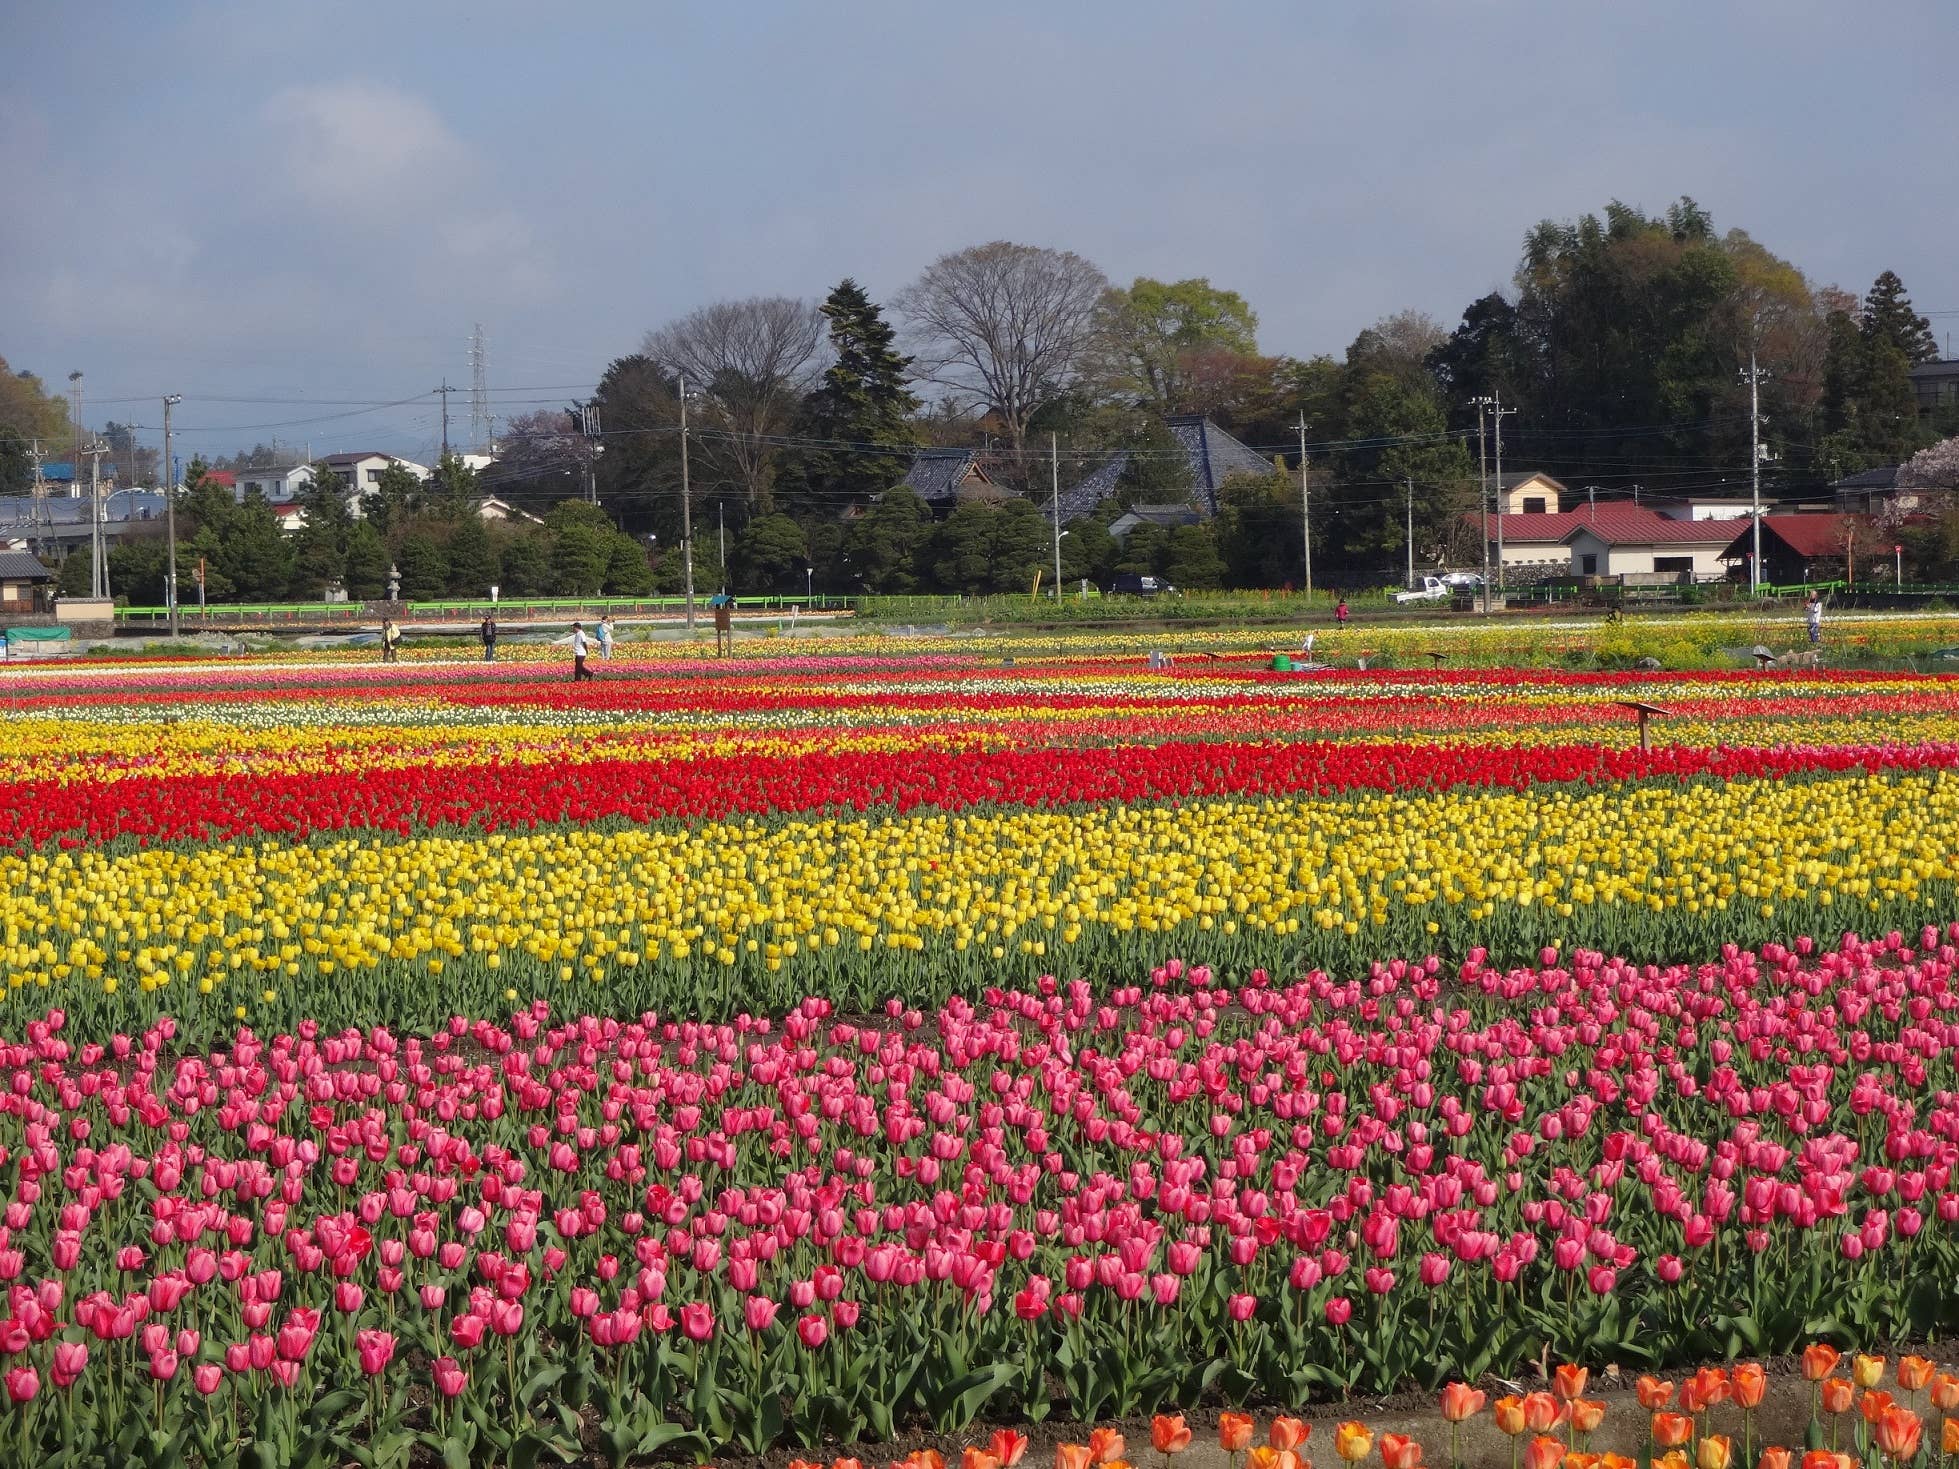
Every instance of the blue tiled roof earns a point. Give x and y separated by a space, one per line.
936 474
1093 489
1214 455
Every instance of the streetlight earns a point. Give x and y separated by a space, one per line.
809 583
170 401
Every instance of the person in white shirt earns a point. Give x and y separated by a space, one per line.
579 648
1813 614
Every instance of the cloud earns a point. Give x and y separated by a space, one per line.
415 205
357 144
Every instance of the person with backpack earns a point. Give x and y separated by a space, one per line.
390 641
488 633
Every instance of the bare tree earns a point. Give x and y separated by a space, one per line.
752 360
1003 325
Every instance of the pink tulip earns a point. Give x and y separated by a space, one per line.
375 1350
812 1331
450 1379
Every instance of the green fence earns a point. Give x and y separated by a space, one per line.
231 613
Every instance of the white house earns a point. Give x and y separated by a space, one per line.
360 472
278 483
491 508
1625 541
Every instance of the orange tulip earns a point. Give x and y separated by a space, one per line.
1398 1452
1672 1459
804 1464
925 1459
1262 1456
1866 1372
1508 1411
1586 1415
1544 1453
1169 1434
1715 1451
1773 1457
1819 1361
1654 1394
1703 1390
1827 1459
1671 1430
1897 1433
1750 1382
1234 1431
1569 1381
1949 1436
1577 1460
1073 1456
974 1458
1614 1461
1461 1401
1837 1394
1353 1441
1542 1412
1913 1373
846 1464
1945 1392
1106 1445
1874 1405
1008 1447
1289 1433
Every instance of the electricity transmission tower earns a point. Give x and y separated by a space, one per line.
479 392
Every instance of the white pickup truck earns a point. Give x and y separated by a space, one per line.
1432 589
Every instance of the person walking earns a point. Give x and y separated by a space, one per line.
605 637
1813 615
1340 613
580 646
390 640
489 635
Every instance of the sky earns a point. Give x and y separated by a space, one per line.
292 214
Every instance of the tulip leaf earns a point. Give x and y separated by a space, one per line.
455 1454
956 1403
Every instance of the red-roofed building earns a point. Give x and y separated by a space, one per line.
1805 548
1614 540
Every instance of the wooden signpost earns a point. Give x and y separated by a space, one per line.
1644 713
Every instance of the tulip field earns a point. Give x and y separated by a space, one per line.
450 1063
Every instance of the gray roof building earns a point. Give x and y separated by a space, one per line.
937 475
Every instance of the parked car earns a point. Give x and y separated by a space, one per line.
1462 580
1432 589
1130 585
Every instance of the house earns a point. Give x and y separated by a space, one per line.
1806 548
290 515
941 477
1530 492
1937 387
277 483
25 584
1211 454
1632 541
360 472
1167 516
1874 492
491 508
1699 507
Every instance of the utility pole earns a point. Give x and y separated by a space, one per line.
588 425
75 403
1483 489
686 512
721 539
40 514
98 571
1497 412
1054 470
1411 531
445 390
171 400
1754 376
1305 508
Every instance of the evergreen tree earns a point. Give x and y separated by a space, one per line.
526 565
451 491
252 553
424 567
16 462
1158 471
627 571
472 558
320 546
884 544
1258 530
1191 559
858 423
395 497
581 554
366 569
769 555
1888 317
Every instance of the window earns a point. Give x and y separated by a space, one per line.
1673 563
1534 504
1588 565
374 476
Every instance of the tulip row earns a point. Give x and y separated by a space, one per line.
1104 1203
